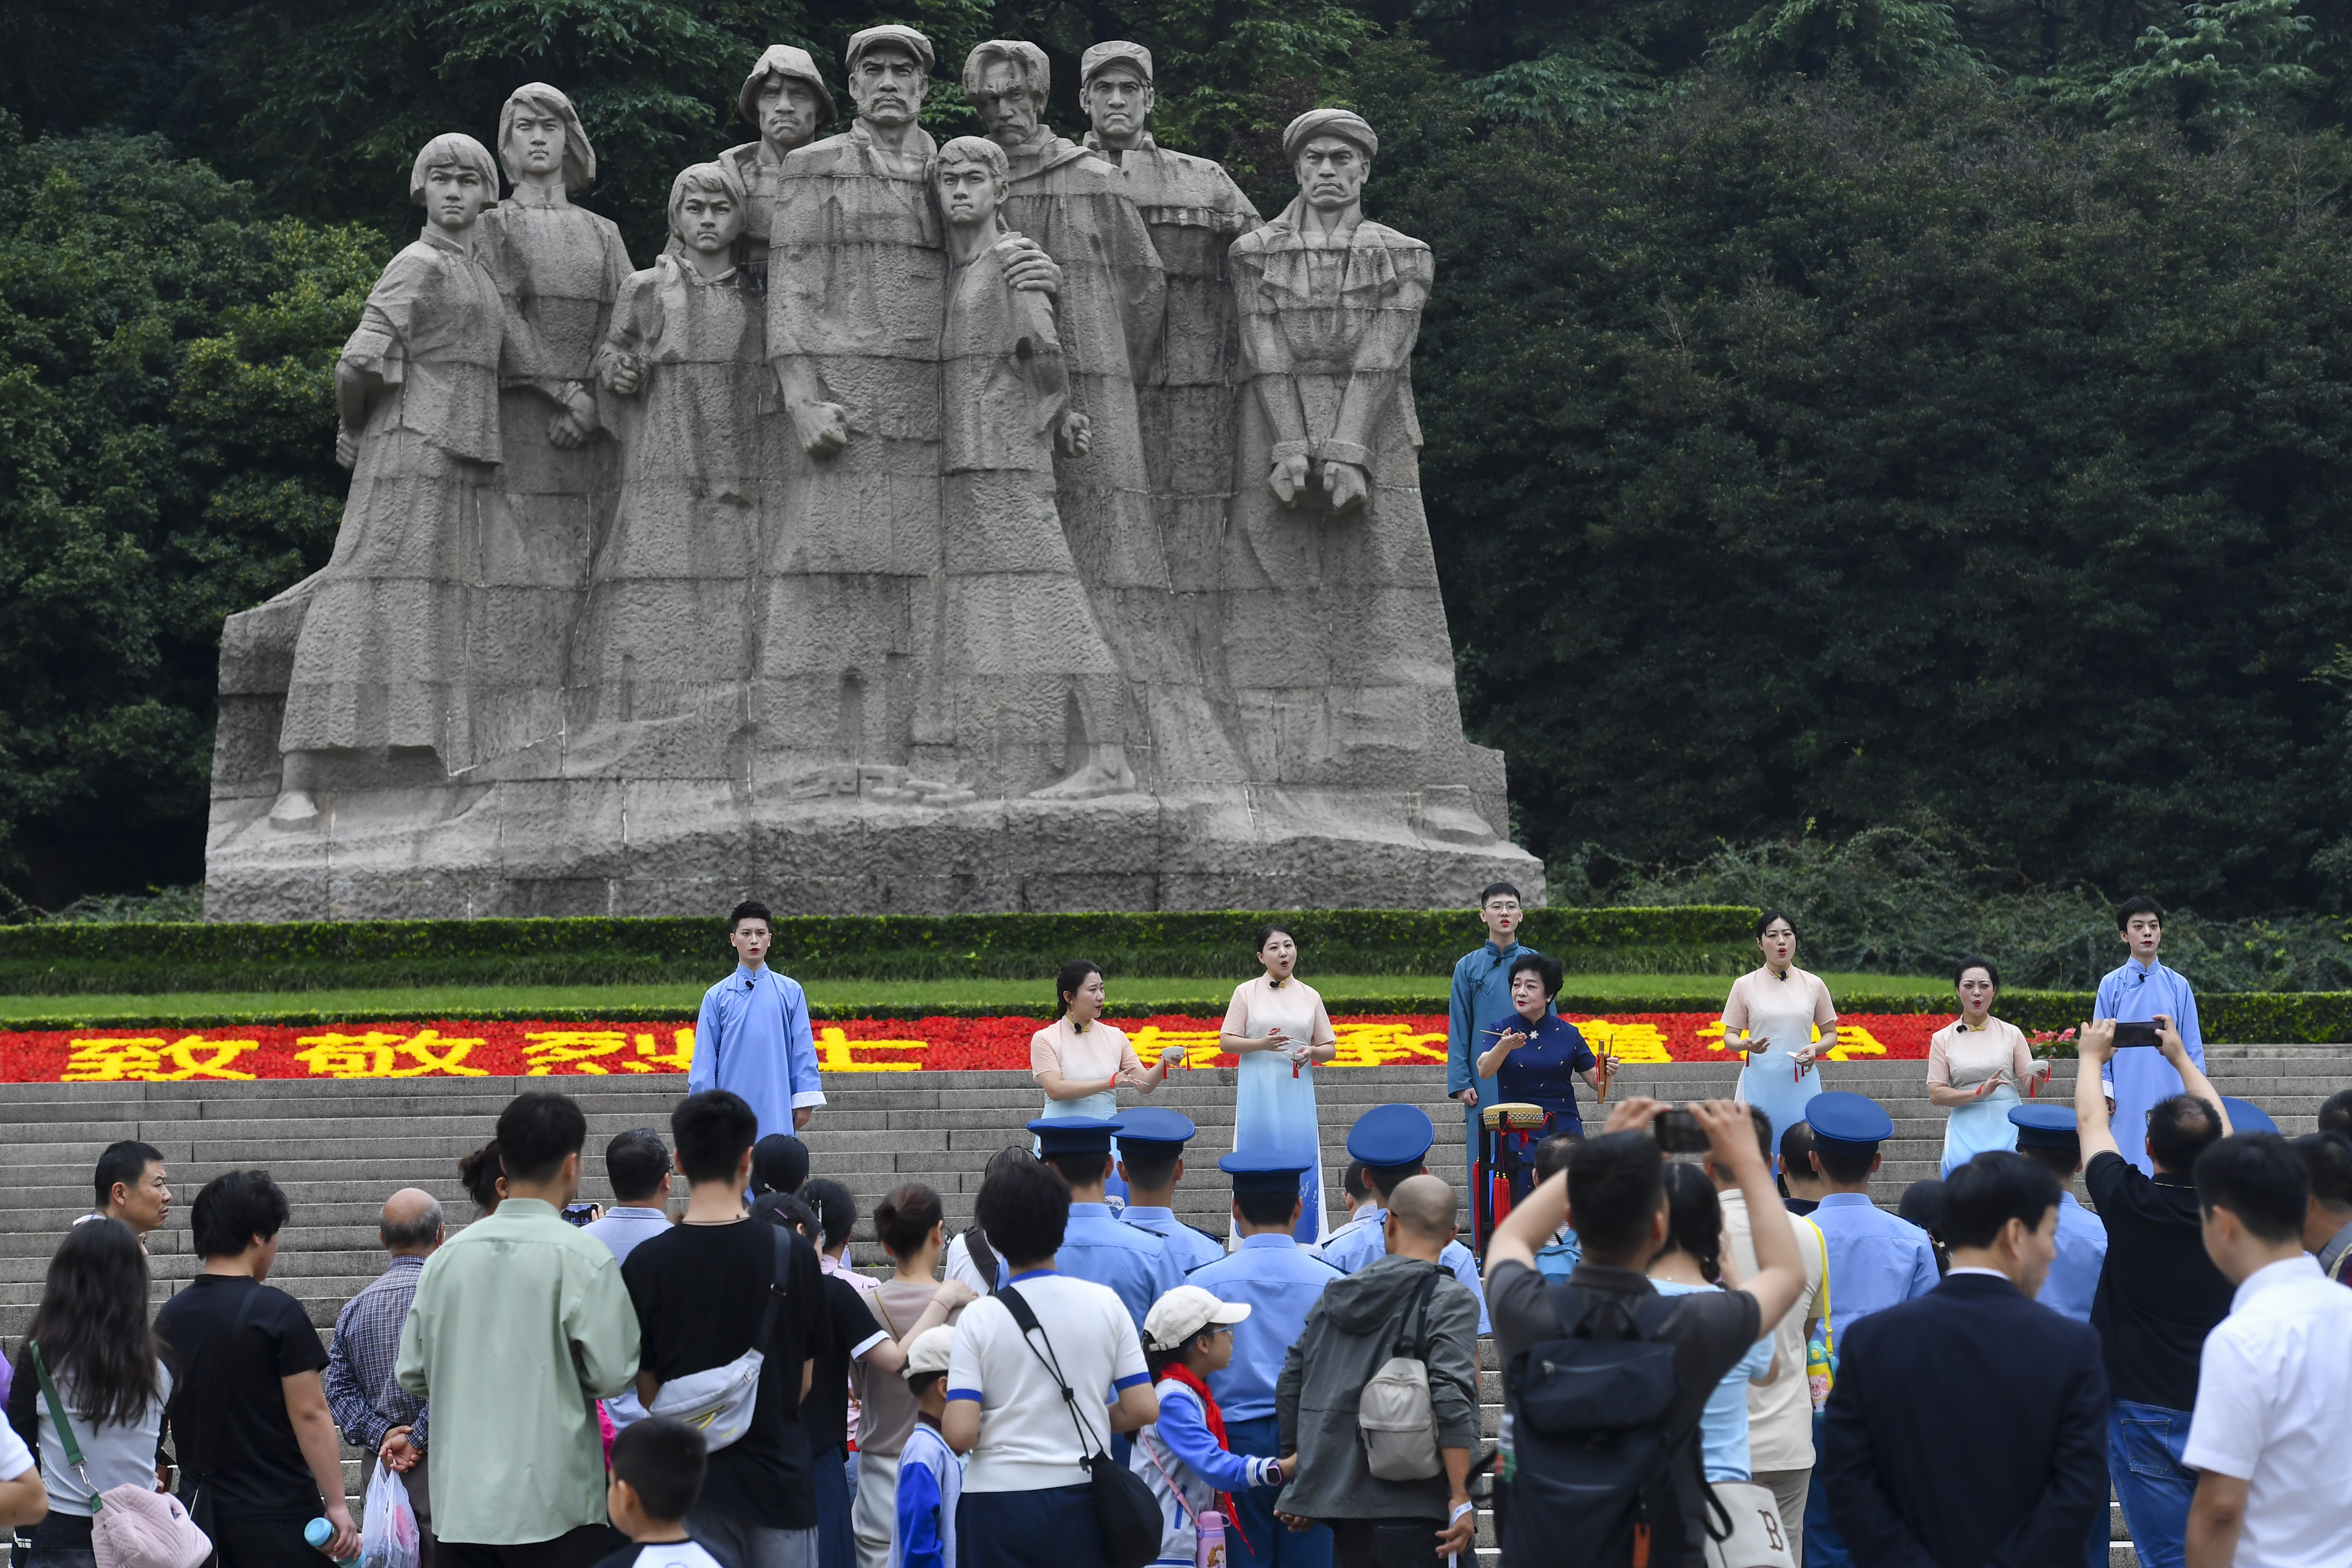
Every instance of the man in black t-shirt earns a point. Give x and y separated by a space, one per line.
259 1457
2159 1294
1614 1193
701 1290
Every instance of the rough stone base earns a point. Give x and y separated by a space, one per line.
600 846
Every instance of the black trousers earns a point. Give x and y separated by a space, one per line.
1385 1542
581 1548
246 1542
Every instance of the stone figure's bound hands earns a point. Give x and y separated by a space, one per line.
347 447
564 430
1347 485
824 428
1288 480
1074 436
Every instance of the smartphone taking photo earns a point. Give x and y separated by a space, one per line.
2133 1034
1679 1132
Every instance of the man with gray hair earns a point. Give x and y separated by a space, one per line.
373 1412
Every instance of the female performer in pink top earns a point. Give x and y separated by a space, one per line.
1771 1015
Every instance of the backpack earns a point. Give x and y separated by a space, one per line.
1395 1417
1593 1460
719 1401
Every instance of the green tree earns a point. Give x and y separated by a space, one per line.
164 361
2210 75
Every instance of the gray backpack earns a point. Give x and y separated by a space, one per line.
1395 1417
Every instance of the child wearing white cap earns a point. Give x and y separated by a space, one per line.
931 1476
1181 1457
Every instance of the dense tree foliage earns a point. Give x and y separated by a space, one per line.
1837 409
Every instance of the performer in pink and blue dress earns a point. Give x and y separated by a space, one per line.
1276 1025
1771 1015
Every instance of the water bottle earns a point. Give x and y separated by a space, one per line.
1209 1541
318 1532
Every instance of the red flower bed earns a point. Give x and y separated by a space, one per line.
458 1048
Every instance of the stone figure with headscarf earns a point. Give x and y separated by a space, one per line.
389 666
856 293
663 657
1190 406
560 268
1113 296
1335 586
786 101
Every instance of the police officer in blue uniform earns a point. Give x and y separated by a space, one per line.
1876 1260
2046 1135
1151 1159
1281 1281
1134 1264
1392 1140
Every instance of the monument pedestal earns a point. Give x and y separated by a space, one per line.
660 847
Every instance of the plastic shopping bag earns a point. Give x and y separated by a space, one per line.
388 1537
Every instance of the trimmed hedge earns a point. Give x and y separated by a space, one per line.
2237 1017
63 959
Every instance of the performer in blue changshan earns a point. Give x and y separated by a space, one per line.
1151 1159
1392 1140
1281 1281
2142 992
753 1036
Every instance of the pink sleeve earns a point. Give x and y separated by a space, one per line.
1042 1057
1130 1066
1939 1063
1735 1007
1825 1010
2021 1055
1237 1013
1325 1034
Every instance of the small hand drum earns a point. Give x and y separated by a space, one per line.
1499 1163
1516 1115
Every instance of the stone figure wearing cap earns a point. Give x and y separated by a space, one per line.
2047 1136
1333 587
858 273
1151 1160
1190 405
1875 1259
1134 1265
786 100
660 661
1076 207
1020 653
1280 1281
1394 1142
382 657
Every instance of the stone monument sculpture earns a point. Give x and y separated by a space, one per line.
1189 403
1040 533
663 654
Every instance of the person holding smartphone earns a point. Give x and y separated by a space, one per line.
2144 991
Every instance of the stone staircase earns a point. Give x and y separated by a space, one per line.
340 1147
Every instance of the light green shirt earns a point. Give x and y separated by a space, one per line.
518 1325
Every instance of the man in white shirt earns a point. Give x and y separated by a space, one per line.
1781 1406
2274 1419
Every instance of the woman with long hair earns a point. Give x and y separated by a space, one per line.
1276 1025
1770 1017
911 1225
111 1376
1977 1065
1691 1261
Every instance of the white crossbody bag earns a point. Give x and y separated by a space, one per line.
719 1401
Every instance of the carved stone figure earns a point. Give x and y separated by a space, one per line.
1020 665
664 652
391 654
1189 406
856 292
559 268
1334 636
1113 294
786 101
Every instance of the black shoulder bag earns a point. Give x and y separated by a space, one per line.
1125 1510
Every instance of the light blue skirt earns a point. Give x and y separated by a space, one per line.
1973 1129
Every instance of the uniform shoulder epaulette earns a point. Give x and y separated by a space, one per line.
1196 1230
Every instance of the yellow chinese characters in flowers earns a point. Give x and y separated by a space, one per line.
377 1054
1853 1040
576 1052
155 1060
1628 1042
837 1052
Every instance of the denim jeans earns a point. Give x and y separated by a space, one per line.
2144 1447
1824 1547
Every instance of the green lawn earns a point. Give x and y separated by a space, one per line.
1013 995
